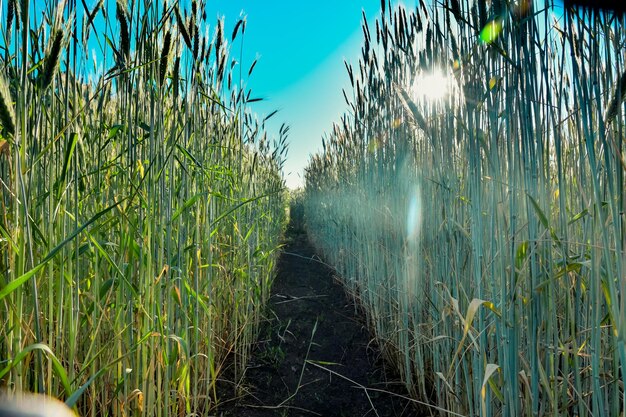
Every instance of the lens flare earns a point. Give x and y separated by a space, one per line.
414 216
492 30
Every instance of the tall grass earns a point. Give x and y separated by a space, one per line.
484 231
142 205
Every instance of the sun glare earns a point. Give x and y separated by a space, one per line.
431 86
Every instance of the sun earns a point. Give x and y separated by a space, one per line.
431 86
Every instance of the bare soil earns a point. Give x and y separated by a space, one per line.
315 356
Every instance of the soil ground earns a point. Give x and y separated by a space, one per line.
315 356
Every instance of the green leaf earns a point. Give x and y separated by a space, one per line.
69 152
7 236
579 216
188 155
19 281
105 287
521 254
185 206
544 220
542 217
238 206
73 399
249 233
114 130
56 364
197 298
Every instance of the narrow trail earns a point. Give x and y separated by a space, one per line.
315 356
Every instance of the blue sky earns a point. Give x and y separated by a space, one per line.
301 47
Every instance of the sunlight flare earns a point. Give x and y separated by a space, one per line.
431 86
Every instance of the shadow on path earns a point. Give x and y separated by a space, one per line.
314 356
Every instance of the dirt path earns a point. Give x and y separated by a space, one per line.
315 355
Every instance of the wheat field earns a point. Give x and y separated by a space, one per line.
142 205
483 229
471 199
